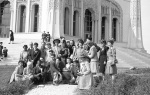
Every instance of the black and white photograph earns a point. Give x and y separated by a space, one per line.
74 47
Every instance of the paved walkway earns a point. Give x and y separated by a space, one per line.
54 90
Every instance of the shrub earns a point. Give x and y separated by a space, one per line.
131 83
16 88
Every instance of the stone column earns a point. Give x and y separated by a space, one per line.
93 30
110 21
99 21
82 21
135 34
72 13
27 23
56 22
96 32
14 21
11 19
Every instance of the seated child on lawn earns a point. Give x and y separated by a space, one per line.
5 50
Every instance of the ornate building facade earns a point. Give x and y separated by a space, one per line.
100 19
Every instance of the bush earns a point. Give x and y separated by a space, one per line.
16 88
131 83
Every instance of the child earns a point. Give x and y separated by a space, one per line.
67 71
85 78
5 50
1 48
54 70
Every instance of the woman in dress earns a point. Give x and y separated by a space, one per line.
79 51
11 35
24 55
56 47
103 57
111 67
85 77
28 71
94 58
17 75
72 45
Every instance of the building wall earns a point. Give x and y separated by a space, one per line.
125 5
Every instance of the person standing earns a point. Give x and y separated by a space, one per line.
56 47
24 55
44 35
48 52
94 58
36 54
103 57
43 50
48 36
111 67
79 51
11 36
31 51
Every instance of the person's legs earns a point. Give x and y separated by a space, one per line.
113 77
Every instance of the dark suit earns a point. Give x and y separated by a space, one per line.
35 56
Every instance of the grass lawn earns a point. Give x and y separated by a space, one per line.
5 74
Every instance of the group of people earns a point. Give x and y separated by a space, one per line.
65 61
46 37
3 51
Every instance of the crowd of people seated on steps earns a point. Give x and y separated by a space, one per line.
66 62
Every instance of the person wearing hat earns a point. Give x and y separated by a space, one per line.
56 47
24 55
94 58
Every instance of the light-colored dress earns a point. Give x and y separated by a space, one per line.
79 52
17 75
111 67
85 81
94 59
24 56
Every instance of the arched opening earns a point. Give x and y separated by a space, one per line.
103 28
5 16
88 24
22 18
76 23
66 21
35 18
114 28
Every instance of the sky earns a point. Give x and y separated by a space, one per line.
145 15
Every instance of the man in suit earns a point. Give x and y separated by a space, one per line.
35 56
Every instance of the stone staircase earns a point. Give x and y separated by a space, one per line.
15 49
131 58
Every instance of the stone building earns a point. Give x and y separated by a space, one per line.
100 19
